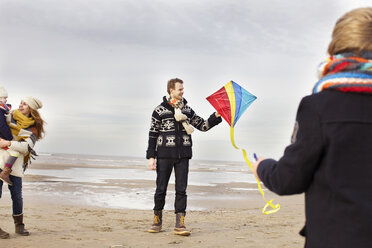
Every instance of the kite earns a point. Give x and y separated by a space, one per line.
231 101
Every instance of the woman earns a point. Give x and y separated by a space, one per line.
330 158
27 127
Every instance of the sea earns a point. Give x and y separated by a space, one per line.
127 183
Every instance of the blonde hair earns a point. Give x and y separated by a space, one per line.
352 32
39 124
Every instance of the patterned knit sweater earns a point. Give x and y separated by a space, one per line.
168 138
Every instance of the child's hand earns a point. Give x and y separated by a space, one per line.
255 166
4 143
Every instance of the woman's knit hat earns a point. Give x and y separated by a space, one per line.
33 102
3 92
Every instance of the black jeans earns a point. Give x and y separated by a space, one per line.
16 193
163 170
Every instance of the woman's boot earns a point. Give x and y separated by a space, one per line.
4 175
158 221
3 234
180 228
19 226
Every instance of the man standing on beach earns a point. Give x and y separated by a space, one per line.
170 143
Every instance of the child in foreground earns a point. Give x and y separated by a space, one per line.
330 156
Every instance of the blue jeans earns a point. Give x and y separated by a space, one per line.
163 170
16 193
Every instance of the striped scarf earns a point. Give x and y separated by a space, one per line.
346 72
6 107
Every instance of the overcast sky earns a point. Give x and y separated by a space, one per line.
100 67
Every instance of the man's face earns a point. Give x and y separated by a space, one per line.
177 92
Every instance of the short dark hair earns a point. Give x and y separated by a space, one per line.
172 84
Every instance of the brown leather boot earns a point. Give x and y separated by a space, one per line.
180 228
19 226
3 234
156 226
4 175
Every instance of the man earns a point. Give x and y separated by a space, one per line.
170 143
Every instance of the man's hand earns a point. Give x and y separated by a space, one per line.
217 114
152 164
255 166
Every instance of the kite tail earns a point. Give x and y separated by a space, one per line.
276 207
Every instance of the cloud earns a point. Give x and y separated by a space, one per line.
101 67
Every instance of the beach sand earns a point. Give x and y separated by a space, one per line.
225 223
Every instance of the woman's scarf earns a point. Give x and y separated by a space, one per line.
22 121
178 105
346 72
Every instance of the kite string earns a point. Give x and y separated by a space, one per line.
276 207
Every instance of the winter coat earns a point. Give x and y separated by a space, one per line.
5 132
330 160
168 138
23 147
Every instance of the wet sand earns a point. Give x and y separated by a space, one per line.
232 218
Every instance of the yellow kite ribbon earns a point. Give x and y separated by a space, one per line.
275 208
